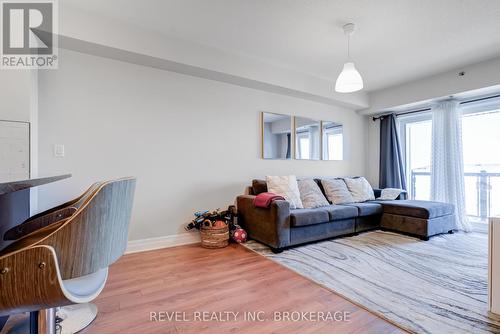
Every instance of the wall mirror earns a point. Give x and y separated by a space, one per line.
276 136
307 138
333 141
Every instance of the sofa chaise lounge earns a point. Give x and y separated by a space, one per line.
279 227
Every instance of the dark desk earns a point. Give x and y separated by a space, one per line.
15 206
18 185
15 202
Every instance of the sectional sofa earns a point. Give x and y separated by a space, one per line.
279 227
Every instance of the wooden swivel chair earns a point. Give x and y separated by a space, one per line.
64 257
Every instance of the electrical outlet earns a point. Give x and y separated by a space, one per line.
58 150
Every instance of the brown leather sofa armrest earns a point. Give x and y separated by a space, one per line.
270 226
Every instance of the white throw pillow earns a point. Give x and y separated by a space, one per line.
360 189
287 187
310 194
390 194
336 191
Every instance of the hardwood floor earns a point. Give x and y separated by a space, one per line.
191 279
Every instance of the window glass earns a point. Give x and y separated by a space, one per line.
481 138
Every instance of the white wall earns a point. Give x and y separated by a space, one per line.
479 79
18 98
477 76
192 143
236 67
15 90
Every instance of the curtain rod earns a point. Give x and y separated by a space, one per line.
428 109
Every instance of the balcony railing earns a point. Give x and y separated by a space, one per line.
482 191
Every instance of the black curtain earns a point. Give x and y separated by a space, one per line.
288 145
392 170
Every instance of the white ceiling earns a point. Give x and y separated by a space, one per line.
396 40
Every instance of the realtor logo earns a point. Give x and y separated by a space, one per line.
29 39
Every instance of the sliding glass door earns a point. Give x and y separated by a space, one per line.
481 141
416 137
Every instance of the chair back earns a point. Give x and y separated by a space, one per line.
76 239
51 216
96 235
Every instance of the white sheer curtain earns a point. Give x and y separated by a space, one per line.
447 170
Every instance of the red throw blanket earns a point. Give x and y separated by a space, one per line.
263 200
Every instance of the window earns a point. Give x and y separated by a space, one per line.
481 137
416 137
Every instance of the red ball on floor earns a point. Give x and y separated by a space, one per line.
240 235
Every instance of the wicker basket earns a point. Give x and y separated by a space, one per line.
213 237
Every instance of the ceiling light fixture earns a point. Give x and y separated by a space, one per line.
349 79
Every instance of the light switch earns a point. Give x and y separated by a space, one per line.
58 150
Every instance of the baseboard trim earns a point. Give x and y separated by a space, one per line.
142 245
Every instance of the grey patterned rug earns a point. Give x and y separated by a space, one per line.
435 286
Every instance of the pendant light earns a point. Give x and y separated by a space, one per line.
349 79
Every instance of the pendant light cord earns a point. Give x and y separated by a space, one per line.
348 46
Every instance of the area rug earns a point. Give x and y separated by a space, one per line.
435 286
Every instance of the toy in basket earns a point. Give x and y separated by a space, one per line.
215 227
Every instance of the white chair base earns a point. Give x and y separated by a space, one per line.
74 318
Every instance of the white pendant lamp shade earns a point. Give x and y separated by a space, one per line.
349 79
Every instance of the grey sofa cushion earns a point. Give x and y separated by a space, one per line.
302 234
304 217
418 209
418 226
339 212
367 208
